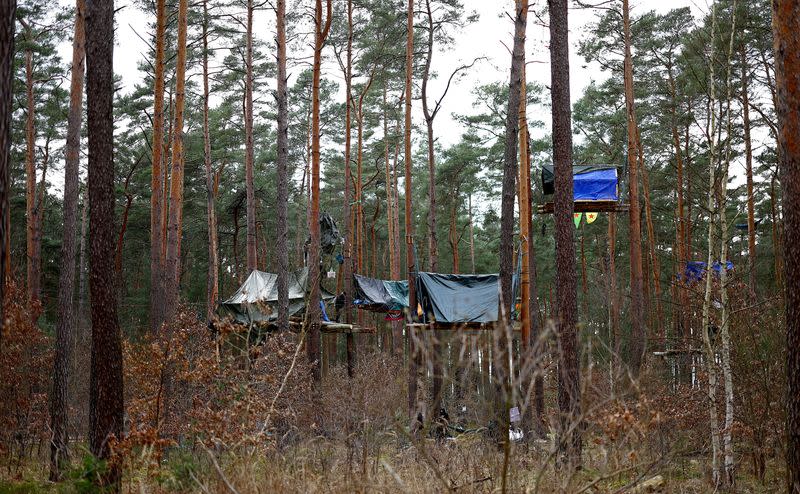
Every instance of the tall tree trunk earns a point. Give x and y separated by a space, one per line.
710 354
174 230
212 291
748 154
157 202
638 333
283 179
533 309
433 243
248 143
502 370
394 261
727 373
569 390
471 235
65 328
348 208
787 65
7 14
312 307
525 240
655 269
32 212
414 407
106 393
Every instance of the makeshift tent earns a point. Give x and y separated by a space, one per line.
457 298
257 299
379 295
695 270
591 182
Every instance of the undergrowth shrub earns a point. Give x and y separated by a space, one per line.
25 369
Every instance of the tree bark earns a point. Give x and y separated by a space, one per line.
32 212
7 14
157 203
248 144
710 355
312 307
106 395
174 230
787 65
212 291
348 208
414 407
638 332
748 155
433 243
283 179
65 328
569 390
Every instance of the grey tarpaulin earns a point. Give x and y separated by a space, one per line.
456 298
257 299
380 295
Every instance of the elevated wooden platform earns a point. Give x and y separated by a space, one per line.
468 327
588 207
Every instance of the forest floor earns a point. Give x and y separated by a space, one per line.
469 463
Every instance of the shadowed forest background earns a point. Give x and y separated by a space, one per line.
643 345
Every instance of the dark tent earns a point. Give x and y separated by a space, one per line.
257 299
459 298
591 182
379 295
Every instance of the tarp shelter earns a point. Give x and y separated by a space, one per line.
456 298
257 299
380 295
695 270
591 182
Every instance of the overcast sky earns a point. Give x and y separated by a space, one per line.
488 37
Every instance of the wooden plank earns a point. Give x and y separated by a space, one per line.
588 207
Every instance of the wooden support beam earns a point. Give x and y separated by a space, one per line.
588 207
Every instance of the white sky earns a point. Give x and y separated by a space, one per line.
488 37
484 38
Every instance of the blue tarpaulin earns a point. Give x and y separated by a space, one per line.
591 182
695 270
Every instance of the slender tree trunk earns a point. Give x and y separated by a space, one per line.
283 179
65 328
638 332
525 241
414 407
433 243
313 312
569 390
394 261
248 144
710 354
106 392
173 261
502 331
727 373
787 65
33 261
7 15
748 154
655 268
212 291
536 340
157 202
348 208
471 234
